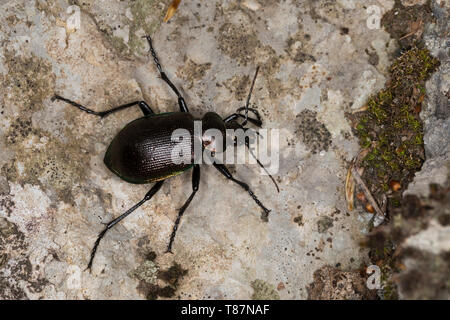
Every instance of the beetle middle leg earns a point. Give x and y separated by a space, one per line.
145 108
181 102
112 223
223 170
195 184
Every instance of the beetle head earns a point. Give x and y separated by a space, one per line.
212 120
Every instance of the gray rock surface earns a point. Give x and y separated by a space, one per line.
317 58
434 240
436 114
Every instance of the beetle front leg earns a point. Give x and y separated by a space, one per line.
223 170
195 184
181 102
112 223
146 110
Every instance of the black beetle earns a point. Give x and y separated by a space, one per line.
131 155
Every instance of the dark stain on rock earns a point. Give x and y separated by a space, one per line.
29 78
19 130
424 277
16 271
173 274
313 133
7 205
238 43
154 283
297 51
193 72
299 220
239 85
373 57
333 284
324 223
406 23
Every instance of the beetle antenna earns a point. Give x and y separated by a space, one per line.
260 164
249 96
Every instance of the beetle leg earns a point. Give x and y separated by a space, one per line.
195 184
142 104
235 125
112 223
223 170
181 102
255 112
234 116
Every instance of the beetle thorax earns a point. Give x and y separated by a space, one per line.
213 132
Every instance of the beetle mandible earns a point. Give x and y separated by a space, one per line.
131 153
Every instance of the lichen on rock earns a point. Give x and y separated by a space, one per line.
264 291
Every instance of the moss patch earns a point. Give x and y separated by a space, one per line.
391 129
147 272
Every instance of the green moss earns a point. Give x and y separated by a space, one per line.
391 127
264 291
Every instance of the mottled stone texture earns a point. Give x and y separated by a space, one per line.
318 60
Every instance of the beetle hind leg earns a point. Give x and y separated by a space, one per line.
195 184
112 223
